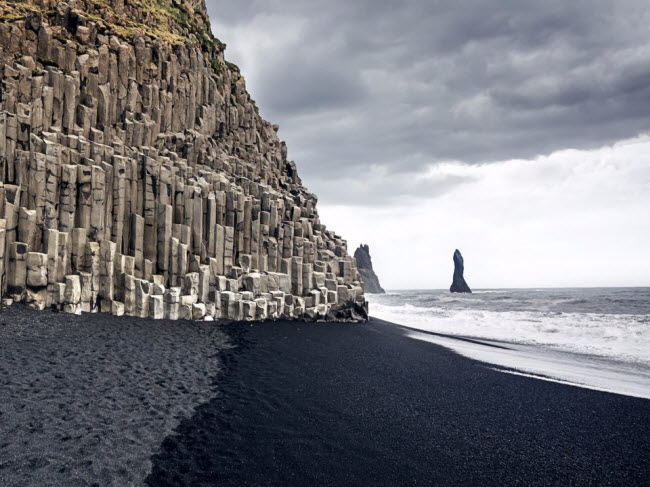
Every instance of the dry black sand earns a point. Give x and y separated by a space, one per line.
319 404
87 401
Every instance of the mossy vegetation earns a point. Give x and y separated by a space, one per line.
232 67
172 21
15 11
169 20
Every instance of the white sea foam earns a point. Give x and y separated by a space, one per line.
623 337
550 365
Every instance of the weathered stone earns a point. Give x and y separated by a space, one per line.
198 311
249 309
62 259
36 269
56 295
252 283
144 171
3 234
459 285
173 295
184 312
72 290
296 276
157 289
92 267
27 227
136 244
52 248
17 268
107 269
204 283
36 298
344 295
228 304
78 248
117 308
364 265
164 237
191 284
129 293
142 289
156 307
211 312
86 298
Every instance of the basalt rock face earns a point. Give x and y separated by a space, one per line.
459 285
368 276
137 177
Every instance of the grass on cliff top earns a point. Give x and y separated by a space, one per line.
11 11
156 18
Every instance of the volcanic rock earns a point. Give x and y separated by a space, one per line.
364 266
137 176
459 285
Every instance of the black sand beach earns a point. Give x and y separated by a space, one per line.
89 400
86 400
321 404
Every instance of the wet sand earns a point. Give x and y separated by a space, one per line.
100 400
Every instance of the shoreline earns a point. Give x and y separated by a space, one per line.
545 363
337 404
131 401
596 339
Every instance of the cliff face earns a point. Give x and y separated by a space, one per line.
137 176
458 284
368 276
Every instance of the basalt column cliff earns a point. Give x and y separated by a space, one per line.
136 176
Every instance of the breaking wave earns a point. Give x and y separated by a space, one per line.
538 317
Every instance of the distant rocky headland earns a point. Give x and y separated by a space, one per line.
458 284
364 265
137 176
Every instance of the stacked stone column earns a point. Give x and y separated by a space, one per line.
143 182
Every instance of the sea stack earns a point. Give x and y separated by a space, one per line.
368 276
459 285
138 178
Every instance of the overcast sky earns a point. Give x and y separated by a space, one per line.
512 130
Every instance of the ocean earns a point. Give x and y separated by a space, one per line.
593 336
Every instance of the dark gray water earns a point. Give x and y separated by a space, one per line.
633 300
607 322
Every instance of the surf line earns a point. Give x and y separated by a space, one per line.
566 382
453 337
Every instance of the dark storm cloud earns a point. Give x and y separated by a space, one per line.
310 87
400 85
